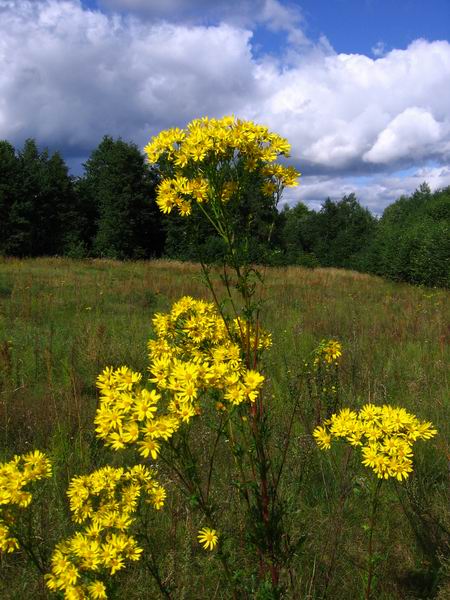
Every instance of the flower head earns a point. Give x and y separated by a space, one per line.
208 538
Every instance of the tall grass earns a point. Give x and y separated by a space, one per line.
62 321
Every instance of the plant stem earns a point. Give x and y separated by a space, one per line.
371 570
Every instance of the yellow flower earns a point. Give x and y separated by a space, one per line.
235 394
425 430
125 378
323 438
208 538
97 590
149 447
158 497
15 475
252 382
370 454
399 468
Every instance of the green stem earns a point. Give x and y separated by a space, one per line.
370 574
152 566
31 554
260 477
220 431
193 486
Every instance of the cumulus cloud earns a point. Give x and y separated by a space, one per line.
68 75
336 107
181 10
279 17
412 133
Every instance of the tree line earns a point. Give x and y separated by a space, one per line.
110 212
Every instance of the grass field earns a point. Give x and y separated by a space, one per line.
63 321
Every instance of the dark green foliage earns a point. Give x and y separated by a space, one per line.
53 213
22 212
294 236
339 232
333 237
36 194
117 189
108 212
83 217
9 179
413 239
411 242
111 212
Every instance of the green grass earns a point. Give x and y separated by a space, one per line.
63 321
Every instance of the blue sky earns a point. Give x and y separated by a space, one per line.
360 88
356 26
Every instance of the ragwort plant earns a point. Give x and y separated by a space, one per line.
206 367
212 352
386 436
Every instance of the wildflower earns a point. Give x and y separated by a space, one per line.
207 142
236 394
399 468
323 438
370 454
332 351
252 381
15 477
104 503
385 433
97 590
158 497
192 353
148 447
125 378
208 538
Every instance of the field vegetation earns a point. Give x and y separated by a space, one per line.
62 321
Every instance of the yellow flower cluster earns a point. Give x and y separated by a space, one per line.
15 476
328 353
197 153
196 350
193 352
385 433
105 502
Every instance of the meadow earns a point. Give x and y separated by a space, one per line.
62 321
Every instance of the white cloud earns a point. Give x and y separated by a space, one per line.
68 75
334 107
279 17
412 133
176 10
274 15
